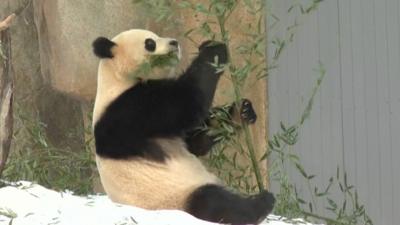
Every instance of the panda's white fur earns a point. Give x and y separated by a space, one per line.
141 182
152 185
113 74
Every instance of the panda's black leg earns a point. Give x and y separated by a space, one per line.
243 111
216 204
247 112
199 142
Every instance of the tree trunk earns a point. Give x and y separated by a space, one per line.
6 93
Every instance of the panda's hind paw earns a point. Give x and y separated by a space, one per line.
247 112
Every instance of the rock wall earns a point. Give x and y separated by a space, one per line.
55 70
36 100
66 29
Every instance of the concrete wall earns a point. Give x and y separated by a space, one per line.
355 121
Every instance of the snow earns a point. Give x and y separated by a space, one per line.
25 203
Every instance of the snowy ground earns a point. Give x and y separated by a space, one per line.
30 204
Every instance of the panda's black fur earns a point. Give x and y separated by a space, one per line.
102 47
168 108
129 129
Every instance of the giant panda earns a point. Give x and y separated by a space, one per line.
144 125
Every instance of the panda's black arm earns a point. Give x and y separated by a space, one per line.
206 69
181 105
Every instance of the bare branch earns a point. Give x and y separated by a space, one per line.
7 22
6 96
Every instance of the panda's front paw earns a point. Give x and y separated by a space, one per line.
214 52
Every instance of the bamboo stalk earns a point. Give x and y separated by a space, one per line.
247 135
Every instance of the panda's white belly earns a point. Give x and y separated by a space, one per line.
153 185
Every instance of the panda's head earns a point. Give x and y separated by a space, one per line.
124 61
129 50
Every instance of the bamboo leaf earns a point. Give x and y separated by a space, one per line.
301 170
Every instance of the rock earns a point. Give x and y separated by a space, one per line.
35 101
66 29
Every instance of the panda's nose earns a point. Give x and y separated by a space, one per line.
174 43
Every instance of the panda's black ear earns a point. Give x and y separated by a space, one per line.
102 47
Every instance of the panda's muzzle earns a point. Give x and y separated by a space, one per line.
174 47
167 46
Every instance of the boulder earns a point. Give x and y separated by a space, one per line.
66 29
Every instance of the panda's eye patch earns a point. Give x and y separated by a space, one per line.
150 45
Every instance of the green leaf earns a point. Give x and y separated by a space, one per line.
301 201
332 203
294 157
344 205
301 170
185 4
283 126
337 173
201 8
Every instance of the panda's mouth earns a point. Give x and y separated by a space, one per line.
169 60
